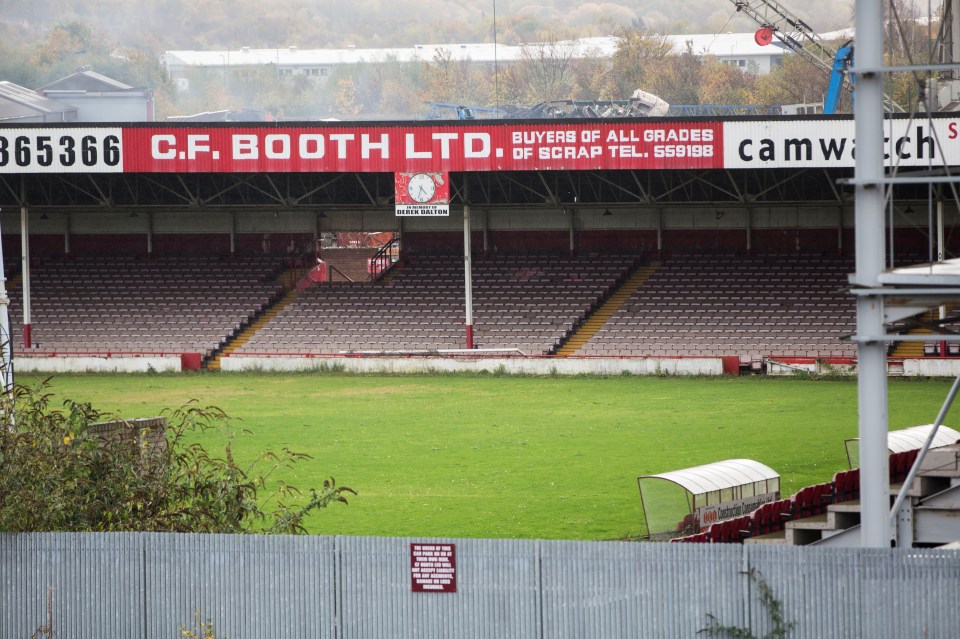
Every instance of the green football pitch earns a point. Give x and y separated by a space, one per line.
511 457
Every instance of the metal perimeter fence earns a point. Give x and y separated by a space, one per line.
150 586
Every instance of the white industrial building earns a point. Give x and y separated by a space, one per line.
739 49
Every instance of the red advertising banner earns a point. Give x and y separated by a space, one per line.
475 146
414 149
433 567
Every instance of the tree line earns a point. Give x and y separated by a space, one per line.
549 69
157 25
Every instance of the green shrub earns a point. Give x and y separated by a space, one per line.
58 474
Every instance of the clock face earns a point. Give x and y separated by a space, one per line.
421 187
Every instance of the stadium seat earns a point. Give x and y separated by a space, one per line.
810 501
846 485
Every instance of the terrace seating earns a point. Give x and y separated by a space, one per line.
754 307
731 531
127 305
519 302
699 538
770 517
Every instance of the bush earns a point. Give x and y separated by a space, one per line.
58 474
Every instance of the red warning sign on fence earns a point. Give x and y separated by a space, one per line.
433 567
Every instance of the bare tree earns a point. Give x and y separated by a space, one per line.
548 69
635 60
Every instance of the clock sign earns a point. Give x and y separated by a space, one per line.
421 187
422 194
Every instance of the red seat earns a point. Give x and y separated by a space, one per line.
757 520
846 485
739 529
824 497
783 513
713 532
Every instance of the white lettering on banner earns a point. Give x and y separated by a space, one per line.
61 150
476 145
624 151
544 137
445 139
340 140
568 152
366 146
682 151
684 143
197 145
411 149
311 146
245 147
163 147
277 147
677 135
590 135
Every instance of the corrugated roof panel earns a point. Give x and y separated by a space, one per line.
19 102
914 437
89 81
718 475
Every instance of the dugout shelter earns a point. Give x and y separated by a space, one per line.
682 502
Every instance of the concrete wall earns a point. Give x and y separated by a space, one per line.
928 367
476 364
93 364
931 367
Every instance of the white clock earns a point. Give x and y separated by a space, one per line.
421 187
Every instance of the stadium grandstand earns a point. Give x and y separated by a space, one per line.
192 245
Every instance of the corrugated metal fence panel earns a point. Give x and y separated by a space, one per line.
496 590
603 589
910 593
96 583
259 587
819 590
250 586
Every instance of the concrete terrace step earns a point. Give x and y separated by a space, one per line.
942 462
599 317
779 537
250 329
805 531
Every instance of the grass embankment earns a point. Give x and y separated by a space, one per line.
521 457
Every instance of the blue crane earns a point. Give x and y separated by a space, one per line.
841 62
